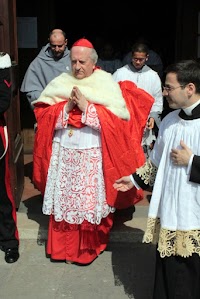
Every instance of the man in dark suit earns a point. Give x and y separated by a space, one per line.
9 239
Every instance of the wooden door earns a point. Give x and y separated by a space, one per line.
8 43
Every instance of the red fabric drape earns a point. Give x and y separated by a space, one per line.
121 142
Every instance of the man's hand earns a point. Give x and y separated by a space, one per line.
181 156
79 99
150 123
123 184
70 105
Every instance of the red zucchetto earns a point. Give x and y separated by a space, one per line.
83 42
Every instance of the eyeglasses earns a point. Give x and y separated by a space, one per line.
138 59
170 88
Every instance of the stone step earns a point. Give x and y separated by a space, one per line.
128 227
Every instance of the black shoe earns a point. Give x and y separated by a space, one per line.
11 255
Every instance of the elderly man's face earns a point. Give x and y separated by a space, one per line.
82 64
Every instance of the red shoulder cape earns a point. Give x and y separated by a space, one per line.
121 142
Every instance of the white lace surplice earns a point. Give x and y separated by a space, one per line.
75 189
174 211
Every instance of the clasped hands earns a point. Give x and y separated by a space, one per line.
76 98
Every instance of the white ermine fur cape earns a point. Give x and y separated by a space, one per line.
99 88
5 61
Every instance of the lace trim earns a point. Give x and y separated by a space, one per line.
79 193
147 173
182 243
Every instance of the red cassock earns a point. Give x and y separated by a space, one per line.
122 153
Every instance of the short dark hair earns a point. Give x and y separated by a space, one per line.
140 47
187 71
